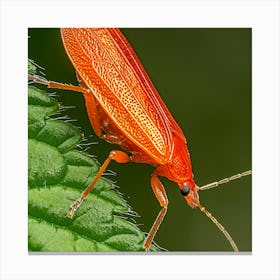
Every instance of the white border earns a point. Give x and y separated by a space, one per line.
262 16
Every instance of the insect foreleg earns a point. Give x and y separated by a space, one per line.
161 196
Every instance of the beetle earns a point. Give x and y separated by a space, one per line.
124 108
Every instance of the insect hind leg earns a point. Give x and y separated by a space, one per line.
52 84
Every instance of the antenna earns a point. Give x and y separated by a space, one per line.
225 180
209 215
220 227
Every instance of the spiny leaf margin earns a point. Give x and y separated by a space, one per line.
58 172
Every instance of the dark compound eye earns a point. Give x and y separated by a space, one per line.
185 191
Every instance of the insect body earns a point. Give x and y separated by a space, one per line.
124 108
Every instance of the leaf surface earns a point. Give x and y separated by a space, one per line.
57 173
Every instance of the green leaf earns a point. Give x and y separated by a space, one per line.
57 173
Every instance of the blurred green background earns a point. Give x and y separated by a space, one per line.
204 77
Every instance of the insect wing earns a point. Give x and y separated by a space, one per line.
107 64
146 82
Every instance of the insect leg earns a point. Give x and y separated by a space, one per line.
89 99
161 196
51 84
118 156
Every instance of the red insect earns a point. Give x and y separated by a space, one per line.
124 108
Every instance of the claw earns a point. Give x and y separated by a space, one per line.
74 207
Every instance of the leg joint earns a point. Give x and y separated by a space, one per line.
119 156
